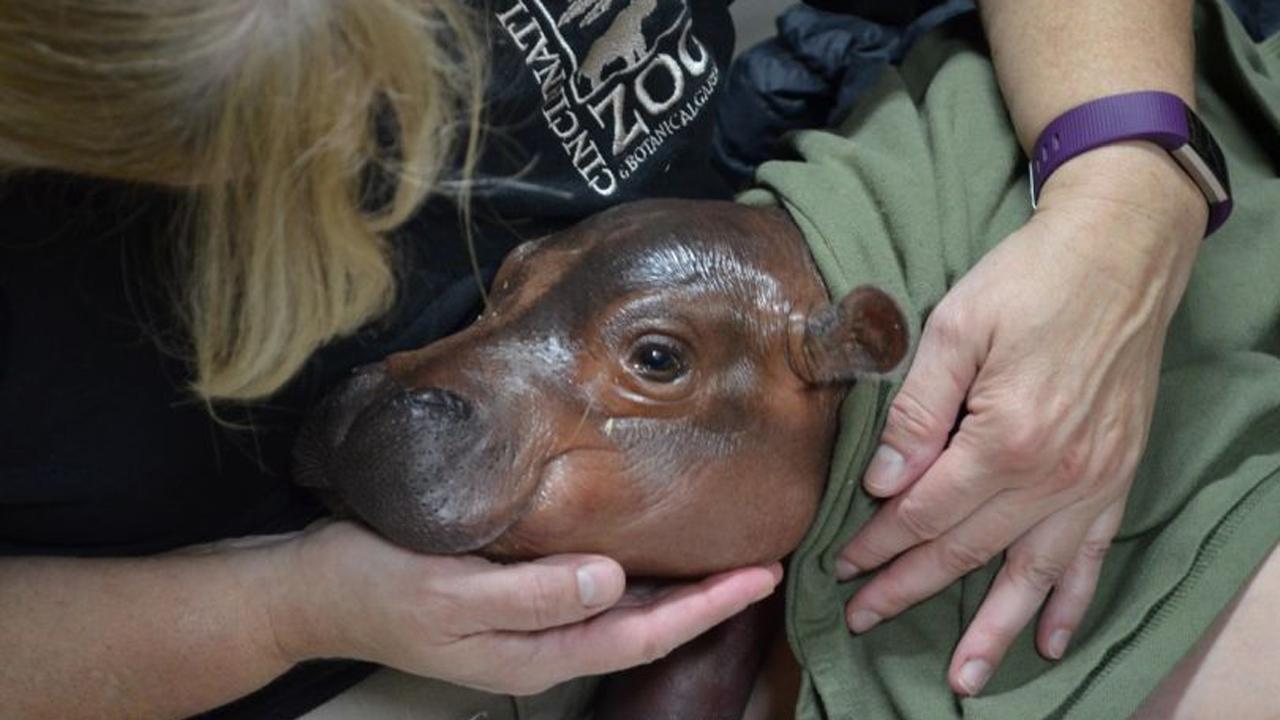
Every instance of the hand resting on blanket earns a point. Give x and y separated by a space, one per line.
1049 349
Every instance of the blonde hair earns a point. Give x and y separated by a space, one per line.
279 118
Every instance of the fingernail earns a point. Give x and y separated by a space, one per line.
863 620
846 570
884 475
764 593
973 675
777 571
1058 643
592 579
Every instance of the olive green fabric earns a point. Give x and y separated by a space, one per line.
908 194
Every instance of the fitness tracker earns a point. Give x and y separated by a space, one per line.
1158 117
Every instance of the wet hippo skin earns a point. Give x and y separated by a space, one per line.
658 384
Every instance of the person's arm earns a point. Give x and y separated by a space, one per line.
166 636
1050 57
172 635
1051 344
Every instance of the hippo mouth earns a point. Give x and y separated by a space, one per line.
420 466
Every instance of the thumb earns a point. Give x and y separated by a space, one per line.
545 593
925 409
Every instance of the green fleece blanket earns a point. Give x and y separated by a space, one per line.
908 194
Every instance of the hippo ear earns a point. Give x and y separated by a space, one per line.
864 333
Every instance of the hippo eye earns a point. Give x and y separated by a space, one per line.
658 362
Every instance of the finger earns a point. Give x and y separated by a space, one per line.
626 637
545 593
1073 593
1032 566
925 408
952 490
929 568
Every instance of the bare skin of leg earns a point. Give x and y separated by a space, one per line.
1231 673
393 695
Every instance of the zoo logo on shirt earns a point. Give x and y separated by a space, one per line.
616 82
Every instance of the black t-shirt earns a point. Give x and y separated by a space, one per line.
102 450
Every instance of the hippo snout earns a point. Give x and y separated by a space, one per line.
439 400
406 462
376 403
327 426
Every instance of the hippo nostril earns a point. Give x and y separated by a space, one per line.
441 399
373 368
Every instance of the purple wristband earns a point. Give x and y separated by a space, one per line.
1158 117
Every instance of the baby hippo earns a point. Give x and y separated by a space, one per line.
658 384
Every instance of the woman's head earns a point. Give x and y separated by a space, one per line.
267 113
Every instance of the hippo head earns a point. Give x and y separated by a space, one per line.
658 384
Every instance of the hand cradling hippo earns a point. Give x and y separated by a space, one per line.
658 384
